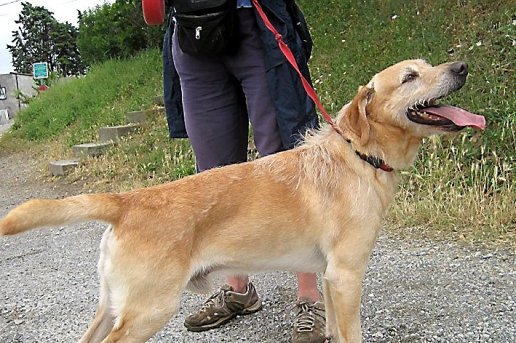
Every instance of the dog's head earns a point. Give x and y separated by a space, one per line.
406 96
400 105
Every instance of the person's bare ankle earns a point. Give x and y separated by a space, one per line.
238 284
310 296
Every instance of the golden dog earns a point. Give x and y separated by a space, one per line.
316 208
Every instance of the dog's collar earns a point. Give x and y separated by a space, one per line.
375 161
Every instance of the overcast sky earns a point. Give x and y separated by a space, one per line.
64 10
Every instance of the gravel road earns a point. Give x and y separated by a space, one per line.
414 291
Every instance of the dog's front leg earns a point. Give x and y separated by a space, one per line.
344 287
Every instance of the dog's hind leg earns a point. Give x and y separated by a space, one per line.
140 320
104 319
140 290
144 296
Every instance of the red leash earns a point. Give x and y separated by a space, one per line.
292 60
373 160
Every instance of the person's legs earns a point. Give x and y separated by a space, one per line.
307 287
215 118
249 69
217 125
218 128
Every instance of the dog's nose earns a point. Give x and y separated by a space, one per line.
459 68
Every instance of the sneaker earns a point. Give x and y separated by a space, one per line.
223 306
310 322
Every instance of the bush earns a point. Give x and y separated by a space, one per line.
115 30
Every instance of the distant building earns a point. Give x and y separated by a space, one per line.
11 85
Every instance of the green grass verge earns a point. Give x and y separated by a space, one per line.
77 107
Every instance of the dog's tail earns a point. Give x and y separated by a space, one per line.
44 212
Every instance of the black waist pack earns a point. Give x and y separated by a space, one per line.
206 27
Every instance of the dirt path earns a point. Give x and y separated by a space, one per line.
415 291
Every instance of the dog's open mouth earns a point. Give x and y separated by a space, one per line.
447 117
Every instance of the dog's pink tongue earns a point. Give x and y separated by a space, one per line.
458 116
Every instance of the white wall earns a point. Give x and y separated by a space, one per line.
13 82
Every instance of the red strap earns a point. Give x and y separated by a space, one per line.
292 60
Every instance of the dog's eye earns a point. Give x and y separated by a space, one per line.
409 77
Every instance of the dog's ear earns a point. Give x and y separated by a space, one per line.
355 120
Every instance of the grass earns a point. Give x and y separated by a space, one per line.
471 201
80 105
460 188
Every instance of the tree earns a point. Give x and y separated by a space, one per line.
67 57
41 38
115 30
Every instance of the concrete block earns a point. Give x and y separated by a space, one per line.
90 149
62 167
140 117
114 133
137 117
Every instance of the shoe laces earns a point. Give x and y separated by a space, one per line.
218 299
306 317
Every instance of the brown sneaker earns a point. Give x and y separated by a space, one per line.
223 306
310 323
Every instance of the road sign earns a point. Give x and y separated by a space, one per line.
40 70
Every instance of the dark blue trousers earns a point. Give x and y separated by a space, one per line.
221 95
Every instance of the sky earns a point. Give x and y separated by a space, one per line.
64 10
